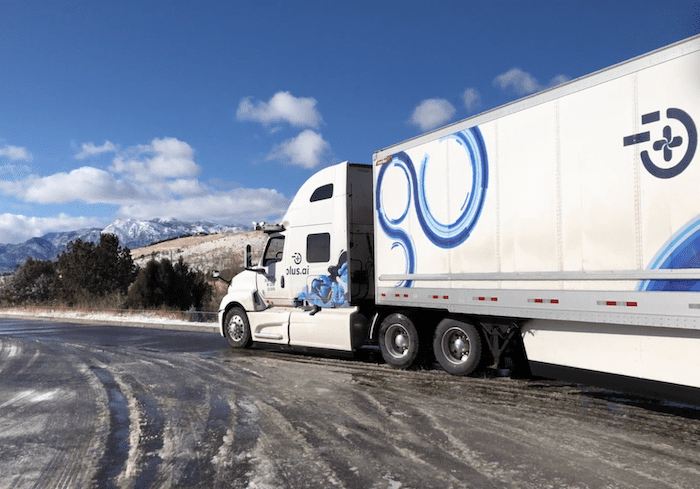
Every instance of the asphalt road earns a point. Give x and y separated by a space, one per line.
105 406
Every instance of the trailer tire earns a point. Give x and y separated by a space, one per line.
237 328
457 346
398 340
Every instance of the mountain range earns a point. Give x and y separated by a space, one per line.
132 233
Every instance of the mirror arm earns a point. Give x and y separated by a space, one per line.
217 275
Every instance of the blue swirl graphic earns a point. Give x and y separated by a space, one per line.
681 251
443 235
391 227
329 290
455 233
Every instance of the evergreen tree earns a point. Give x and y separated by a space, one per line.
32 283
86 270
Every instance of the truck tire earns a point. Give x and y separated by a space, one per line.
237 328
398 340
457 346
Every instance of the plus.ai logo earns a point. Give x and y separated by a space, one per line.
675 149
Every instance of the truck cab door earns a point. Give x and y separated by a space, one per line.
272 284
271 325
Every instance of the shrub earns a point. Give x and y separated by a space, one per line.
162 284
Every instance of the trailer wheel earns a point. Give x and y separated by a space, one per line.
398 340
237 328
457 346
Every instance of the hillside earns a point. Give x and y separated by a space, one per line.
204 253
132 233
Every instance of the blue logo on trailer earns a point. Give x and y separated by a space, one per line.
682 251
667 144
443 235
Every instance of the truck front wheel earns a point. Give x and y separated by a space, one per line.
398 340
237 328
457 346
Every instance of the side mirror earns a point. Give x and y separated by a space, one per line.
249 256
249 260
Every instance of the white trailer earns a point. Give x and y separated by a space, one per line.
568 221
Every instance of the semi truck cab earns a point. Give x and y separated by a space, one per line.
315 273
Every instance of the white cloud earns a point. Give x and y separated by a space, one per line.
89 149
239 205
183 186
558 80
282 107
163 158
163 168
307 150
85 184
523 83
16 228
519 81
472 99
172 158
432 113
15 153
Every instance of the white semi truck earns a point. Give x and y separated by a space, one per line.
566 224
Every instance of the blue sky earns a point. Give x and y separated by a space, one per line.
219 111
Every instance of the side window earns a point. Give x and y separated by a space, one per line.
322 193
273 252
318 248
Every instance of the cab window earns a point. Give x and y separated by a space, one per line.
318 248
322 193
273 252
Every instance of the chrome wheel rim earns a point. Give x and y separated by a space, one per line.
455 346
396 341
236 328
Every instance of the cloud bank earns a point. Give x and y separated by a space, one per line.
158 179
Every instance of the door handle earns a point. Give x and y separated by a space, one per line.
282 282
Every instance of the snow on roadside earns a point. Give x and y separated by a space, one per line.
117 316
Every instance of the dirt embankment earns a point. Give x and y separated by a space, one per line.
204 253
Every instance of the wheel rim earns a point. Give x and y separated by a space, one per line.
456 346
396 341
236 328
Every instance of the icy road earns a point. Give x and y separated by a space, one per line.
105 406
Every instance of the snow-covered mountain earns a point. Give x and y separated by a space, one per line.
132 234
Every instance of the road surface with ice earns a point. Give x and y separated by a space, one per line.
107 406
